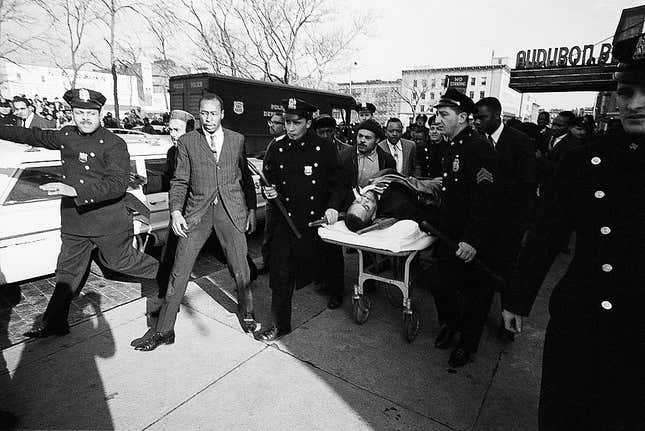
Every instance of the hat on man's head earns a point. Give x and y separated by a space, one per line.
84 98
368 107
629 46
456 99
178 114
5 103
324 121
298 107
373 126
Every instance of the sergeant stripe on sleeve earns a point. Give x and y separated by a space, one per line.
484 175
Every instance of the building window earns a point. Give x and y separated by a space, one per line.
423 95
431 96
471 95
472 81
414 95
433 83
483 80
443 82
482 94
424 83
18 77
414 83
423 108
42 78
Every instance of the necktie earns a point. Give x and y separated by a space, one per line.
491 141
211 143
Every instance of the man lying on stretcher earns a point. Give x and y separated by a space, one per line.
390 195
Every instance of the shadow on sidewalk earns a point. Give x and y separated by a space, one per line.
12 297
46 403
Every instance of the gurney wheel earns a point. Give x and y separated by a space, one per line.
361 309
411 326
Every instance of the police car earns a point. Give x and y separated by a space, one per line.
30 219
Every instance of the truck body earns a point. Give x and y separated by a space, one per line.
249 104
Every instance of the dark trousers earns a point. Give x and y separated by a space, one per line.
235 248
115 252
269 226
286 263
477 292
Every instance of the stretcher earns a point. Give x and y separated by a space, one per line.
399 243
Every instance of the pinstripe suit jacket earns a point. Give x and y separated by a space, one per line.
199 178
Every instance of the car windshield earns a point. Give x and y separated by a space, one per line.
27 187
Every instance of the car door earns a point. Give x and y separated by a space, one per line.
30 228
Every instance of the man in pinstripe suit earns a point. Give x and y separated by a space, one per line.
212 189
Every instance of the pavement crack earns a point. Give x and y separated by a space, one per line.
489 386
205 388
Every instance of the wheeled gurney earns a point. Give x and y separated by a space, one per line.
401 243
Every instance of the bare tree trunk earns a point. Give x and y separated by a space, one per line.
115 78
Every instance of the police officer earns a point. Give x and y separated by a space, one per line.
467 216
430 150
306 176
592 369
96 167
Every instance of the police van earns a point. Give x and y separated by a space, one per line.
30 218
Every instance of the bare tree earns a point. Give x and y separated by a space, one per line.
276 40
113 9
71 19
411 95
17 36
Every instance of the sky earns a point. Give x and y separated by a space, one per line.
442 33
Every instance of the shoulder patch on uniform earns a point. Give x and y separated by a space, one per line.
484 175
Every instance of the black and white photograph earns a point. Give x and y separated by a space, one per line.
318 215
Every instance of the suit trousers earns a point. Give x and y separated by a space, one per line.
235 248
115 252
477 291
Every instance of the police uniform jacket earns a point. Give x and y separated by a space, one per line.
470 190
97 165
308 177
429 157
599 192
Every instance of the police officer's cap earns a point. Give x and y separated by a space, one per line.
368 107
456 99
298 107
84 98
629 47
178 114
325 121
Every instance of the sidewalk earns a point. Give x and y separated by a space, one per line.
329 374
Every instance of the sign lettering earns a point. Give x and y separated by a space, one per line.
458 82
564 56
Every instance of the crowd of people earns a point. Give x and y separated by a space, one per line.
505 198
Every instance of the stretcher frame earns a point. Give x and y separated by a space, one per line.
361 304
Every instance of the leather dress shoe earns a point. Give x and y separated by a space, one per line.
248 322
271 334
46 331
444 337
458 358
156 340
334 302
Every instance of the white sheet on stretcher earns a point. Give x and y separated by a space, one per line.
403 235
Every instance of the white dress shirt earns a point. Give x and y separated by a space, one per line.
496 134
397 152
215 141
27 122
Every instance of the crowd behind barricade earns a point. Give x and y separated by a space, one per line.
40 112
